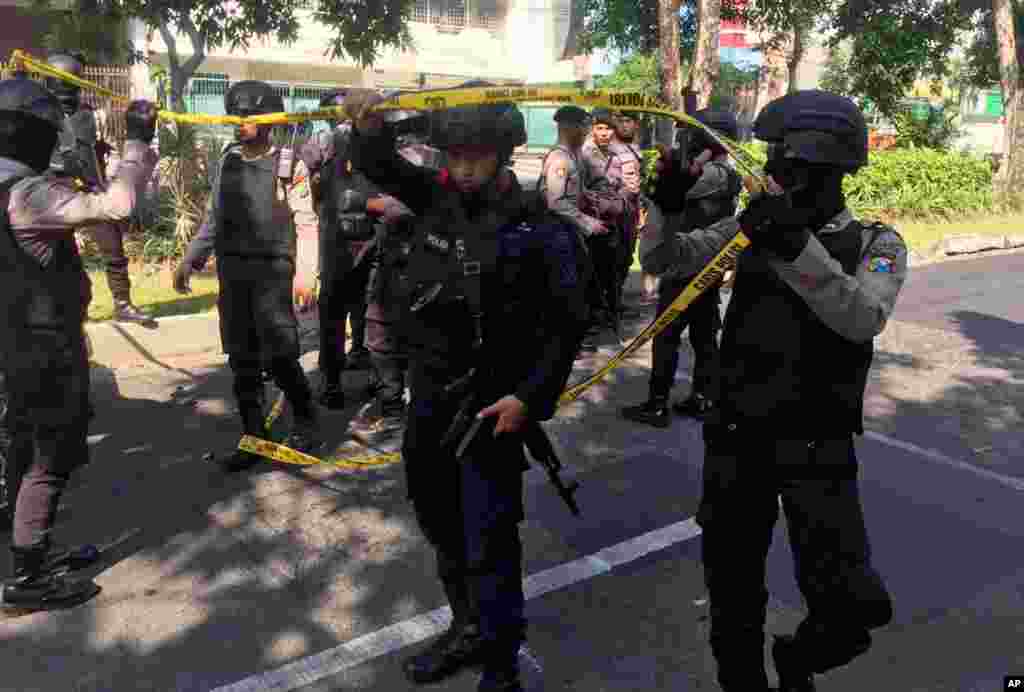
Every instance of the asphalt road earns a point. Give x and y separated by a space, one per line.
291 579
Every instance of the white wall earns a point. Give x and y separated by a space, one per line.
525 48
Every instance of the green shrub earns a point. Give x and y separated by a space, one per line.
913 183
920 183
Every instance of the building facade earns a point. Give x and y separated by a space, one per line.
505 41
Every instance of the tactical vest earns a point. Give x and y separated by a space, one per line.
75 155
782 368
336 177
248 192
452 260
38 297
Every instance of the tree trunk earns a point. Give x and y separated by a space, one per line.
1010 179
671 84
705 58
649 42
796 55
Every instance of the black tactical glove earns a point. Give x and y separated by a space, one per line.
772 222
140 121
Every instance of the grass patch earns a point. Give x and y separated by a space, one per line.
153 294
924 236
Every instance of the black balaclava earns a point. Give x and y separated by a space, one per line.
814 188
27 140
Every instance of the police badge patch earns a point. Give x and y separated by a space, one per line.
881 265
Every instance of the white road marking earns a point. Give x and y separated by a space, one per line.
400 635
939 457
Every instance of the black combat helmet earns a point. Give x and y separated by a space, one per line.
67 93
500 124
31 99
252 97
815 126
721 121
33 118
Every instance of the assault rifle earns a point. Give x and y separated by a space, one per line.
465 427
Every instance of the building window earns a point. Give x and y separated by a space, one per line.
484 14
453 13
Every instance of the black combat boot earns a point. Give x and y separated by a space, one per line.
654 412
461 646
62 559
695 406
32 588
793 677
501 670
124 311
305 434
374 426
252 424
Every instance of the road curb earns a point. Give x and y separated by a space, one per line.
116 344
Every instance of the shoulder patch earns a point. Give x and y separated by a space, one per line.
880 265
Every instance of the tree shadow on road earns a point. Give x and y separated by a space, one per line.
232 573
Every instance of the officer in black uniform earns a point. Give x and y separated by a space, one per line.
812 291
383 418
250 225
695 189
484 273
42 344
76 156
345 229
6 508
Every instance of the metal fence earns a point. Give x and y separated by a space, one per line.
109 113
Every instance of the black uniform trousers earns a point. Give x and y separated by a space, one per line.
342 296
606 261
258 325
745 473
47 382
388 356
470 513
704 321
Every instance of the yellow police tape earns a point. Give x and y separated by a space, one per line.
441 99
436 99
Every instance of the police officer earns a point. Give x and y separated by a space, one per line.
560 187
602 198
695 189
6 507
42 344
561 179
249 224
812 291
76 156
382 419
344 231
483 273
627 177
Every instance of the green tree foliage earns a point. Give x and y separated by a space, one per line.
98 30
631 26
894 44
